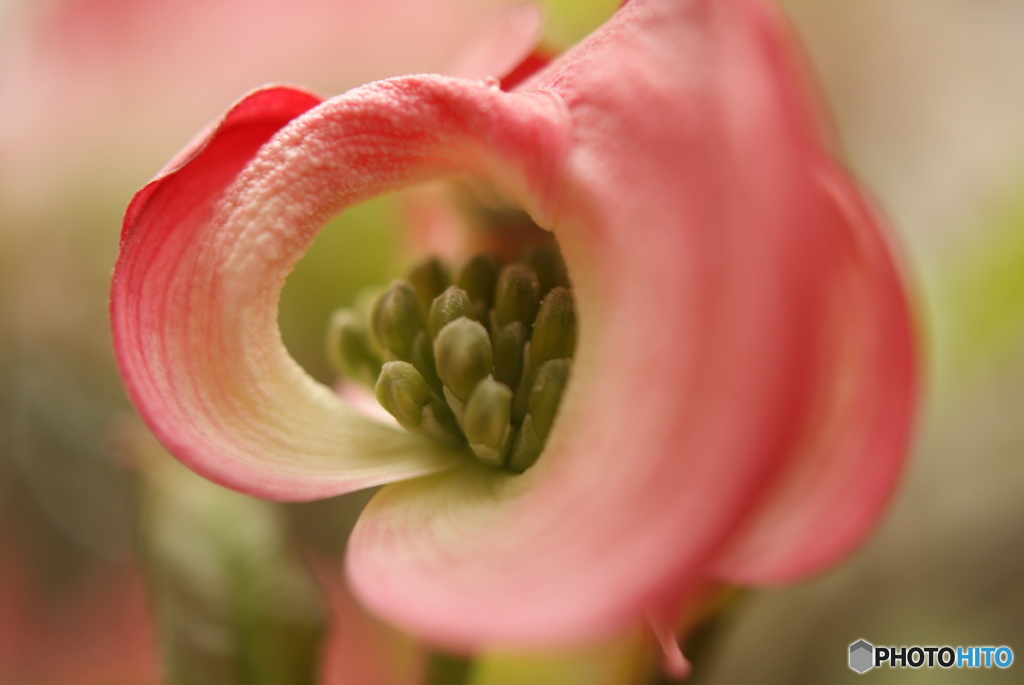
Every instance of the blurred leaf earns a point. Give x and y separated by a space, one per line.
235 602
977 297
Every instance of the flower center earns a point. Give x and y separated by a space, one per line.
479 359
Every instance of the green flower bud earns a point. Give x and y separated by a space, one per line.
484 366
429 278
546 261
395 320
526 449
403 392
423 360
554 331
546 395
486 421
349 348
508 353
478 278
463 356
517 297
452 304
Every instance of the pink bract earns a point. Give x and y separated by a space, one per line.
745 376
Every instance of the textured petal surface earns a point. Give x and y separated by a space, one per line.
707 257
205 250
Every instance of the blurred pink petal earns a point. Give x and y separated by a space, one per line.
843 474
103 634
359 649
745 359
97 631
83 81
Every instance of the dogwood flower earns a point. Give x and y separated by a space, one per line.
743 378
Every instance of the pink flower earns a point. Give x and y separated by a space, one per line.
744 377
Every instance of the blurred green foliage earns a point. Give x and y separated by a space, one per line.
234 600
975 302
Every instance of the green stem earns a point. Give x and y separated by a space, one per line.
443 668
704 640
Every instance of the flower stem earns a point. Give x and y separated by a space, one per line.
443 668
706 637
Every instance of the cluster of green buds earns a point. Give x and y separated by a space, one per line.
480 358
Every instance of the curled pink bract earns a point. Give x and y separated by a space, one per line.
744 379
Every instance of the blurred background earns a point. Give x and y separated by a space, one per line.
95 96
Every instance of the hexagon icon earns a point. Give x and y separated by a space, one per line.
862 656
